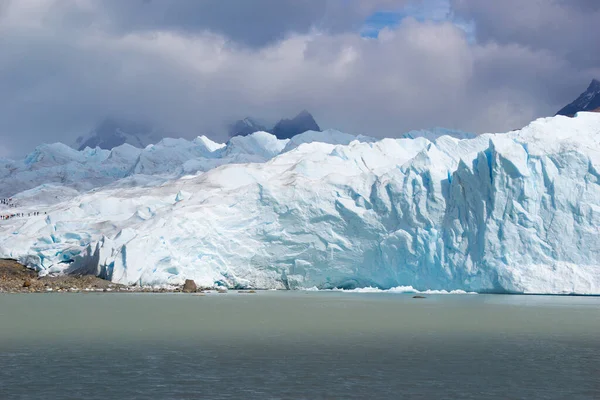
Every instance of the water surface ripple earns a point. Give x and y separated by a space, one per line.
298 345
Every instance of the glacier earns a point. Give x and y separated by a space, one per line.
58 165
517 212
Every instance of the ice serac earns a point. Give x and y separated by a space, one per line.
329 136
59 165
516 212
258 146
433 134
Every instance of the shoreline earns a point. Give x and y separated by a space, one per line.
17 278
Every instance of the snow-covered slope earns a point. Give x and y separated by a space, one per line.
516 212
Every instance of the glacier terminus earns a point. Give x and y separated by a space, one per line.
516 212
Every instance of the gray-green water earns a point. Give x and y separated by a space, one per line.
295 345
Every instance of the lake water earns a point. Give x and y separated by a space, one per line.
298 345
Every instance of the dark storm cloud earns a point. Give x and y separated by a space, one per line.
570 28
255 23
564 33
192 66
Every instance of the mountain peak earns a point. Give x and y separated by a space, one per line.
288 128
594 86
587 101
112 132
244 127
284 129
304 114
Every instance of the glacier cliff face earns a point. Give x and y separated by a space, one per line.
516 212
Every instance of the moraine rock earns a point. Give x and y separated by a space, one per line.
189 286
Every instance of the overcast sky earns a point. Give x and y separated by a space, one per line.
376 67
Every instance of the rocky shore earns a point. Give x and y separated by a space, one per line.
16 278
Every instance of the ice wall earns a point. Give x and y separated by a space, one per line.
516 212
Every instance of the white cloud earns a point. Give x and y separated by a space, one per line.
66 68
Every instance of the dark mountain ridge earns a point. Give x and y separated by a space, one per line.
284 129
112 132
587 101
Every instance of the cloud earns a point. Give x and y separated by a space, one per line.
569 28
253 23
70 63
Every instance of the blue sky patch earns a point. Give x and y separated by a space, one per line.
426 10
379 20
